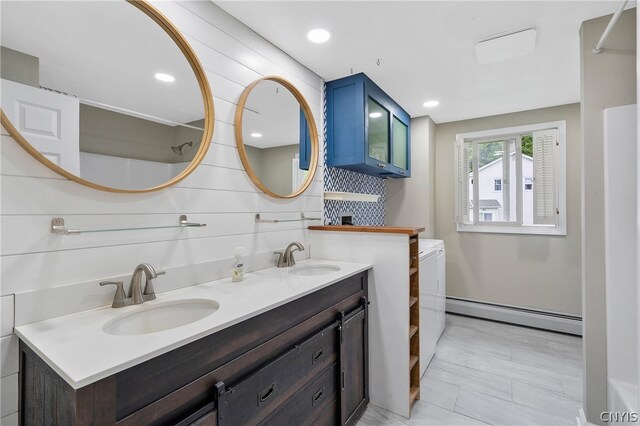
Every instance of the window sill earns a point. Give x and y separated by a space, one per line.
522 230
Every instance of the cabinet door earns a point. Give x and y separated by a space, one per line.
378 133
400 141
354 366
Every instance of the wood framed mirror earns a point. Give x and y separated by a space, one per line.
277 137
108 94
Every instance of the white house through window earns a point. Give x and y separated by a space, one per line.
517 176
528 184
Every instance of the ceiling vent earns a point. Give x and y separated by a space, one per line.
505 46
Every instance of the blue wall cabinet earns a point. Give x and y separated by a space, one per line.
367 131
305 143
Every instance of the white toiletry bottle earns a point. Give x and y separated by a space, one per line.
237 267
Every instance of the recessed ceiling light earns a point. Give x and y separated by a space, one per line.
375 114
256 135
318 35
165 77
431 104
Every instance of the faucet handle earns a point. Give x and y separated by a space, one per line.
119 299
281 259
161 273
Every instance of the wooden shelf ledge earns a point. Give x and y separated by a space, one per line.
413 393
412 330
375 229
413 361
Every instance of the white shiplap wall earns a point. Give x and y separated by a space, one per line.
52 274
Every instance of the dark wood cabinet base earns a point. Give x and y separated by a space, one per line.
302 363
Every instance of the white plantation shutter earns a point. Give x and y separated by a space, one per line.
544 172
462 183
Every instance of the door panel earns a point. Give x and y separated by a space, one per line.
49 121
354 366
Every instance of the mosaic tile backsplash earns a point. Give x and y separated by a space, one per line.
341 180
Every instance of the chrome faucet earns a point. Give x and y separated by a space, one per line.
136 294
285 258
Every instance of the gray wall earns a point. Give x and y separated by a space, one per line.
111 133
608 80
254 155
410 202
273 166
535 271
277 168
19 67
183 134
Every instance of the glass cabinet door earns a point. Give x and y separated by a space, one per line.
378 131
400 144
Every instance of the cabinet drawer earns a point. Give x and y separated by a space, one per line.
313 405
329 416
259 394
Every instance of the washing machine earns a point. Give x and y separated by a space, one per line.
432 298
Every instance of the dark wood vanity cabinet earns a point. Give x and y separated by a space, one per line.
305 362
354 367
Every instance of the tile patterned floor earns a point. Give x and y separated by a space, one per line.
498 374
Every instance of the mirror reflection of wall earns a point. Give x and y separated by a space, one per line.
277 167
274 134
100 90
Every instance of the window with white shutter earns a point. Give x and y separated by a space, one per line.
544 182
529 163
462 186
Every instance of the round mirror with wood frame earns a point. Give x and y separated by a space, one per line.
289 145
177 163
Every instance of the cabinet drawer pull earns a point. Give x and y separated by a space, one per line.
265 394
317 356
382 165
318 396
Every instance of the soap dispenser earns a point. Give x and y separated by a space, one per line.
237 267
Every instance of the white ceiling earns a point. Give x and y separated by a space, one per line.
426 49
106 52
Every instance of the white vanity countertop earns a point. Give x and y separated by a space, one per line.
77 348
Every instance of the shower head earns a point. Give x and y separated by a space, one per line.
182 148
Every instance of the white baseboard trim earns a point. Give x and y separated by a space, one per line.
516 315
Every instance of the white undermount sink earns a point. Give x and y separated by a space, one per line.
161 316
311 270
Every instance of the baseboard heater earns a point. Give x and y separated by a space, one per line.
553 321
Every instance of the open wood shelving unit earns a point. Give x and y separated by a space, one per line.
414 320
412 307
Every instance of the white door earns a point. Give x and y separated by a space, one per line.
441 293
49 121
428 315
